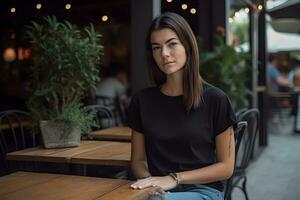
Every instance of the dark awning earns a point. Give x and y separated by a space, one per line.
289 9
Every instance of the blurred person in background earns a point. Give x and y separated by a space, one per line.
111 91
276 80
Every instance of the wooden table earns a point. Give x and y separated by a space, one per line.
116 133
91 152
32 186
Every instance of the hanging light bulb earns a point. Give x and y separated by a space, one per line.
38 6
68 6
193 10
184 6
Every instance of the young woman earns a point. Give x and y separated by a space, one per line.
182 135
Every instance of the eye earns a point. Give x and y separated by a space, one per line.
155 48
172 44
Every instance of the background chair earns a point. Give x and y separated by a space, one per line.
16 133
239 132
104 116
280 108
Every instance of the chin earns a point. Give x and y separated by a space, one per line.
171 71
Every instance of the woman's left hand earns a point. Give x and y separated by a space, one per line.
165 182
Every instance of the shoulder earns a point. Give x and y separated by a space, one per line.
212 92
215 97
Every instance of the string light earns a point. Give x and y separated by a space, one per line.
236 14
68 6
169 1
104 18
184 6
260 7
38 6
193 10
13 10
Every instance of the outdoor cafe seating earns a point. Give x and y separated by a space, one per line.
106 150
106 155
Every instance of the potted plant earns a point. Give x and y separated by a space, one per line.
65 65
226 68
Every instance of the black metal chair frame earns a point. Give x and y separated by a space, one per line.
16 131
102 109
239 132
243 158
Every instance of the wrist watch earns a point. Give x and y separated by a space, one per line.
175 177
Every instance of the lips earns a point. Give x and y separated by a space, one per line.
170 62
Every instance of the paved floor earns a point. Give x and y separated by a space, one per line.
275 175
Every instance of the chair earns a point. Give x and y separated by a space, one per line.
280 108
239 132
16 133
239 112
104 116
117 106
246 147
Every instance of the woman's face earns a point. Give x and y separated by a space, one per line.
168 51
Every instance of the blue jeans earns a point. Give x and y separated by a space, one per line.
192 192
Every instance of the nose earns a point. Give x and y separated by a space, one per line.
165 52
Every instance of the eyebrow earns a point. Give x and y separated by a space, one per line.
154 43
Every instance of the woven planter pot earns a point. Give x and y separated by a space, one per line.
54 137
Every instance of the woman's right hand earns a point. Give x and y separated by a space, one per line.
164 182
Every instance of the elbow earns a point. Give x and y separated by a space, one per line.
228 172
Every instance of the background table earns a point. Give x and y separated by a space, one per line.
115 133
32 186
89 152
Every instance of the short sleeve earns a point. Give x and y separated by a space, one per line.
134 115
224 116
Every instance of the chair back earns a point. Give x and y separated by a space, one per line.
239 112
239 132
251 116
16 132
104 116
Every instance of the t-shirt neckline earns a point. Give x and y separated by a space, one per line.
168 96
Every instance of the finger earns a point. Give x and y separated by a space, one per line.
143 184
137 183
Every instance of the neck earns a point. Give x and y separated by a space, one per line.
173 85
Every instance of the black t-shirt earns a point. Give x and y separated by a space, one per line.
176 140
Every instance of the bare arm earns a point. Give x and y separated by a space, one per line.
283 81
221 170
138 156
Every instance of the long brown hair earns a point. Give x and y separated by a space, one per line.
192 81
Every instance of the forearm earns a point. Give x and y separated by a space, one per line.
140 169
212 173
